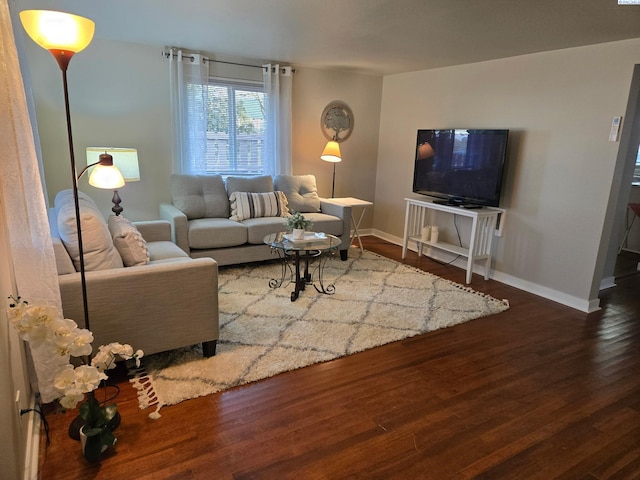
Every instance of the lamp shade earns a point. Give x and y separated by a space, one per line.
107 177
58 30
331 152
126 159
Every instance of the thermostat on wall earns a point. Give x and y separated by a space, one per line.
615 127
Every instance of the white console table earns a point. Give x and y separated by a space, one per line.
483 228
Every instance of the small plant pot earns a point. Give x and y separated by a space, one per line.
83 443
298 233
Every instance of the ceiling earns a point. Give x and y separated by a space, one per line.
377 37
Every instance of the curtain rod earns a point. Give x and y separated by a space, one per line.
167 54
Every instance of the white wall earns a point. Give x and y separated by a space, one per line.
13 429
119 96
356 174
15 390
558 106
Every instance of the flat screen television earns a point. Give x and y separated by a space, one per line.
461 167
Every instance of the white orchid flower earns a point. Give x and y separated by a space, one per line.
138 355
71 400
57 338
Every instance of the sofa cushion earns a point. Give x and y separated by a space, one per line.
200 196
216 233
128 241
301 192
64 265
259 184
258 228
165 250
98 249
255 205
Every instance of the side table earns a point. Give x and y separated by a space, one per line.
352 202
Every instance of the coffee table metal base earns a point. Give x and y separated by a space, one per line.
299 267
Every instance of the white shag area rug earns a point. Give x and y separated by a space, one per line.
263 333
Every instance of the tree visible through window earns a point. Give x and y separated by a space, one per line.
235 128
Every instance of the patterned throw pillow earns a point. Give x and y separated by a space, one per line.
129 241
98 250
254 205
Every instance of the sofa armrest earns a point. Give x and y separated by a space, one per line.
154 230
155 307
179 225
341 211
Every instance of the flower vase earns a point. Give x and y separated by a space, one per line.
83 443
298 233
97 432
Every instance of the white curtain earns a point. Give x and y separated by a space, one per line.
277 88
188 80
21 195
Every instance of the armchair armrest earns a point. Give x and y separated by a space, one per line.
154 230
341 211
155 307
179 225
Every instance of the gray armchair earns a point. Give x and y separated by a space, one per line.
170 301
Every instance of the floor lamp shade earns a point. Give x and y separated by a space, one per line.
331 153
62 34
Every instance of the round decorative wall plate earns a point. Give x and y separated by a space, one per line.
337 121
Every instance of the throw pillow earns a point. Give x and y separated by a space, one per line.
98 250
301 192
257 184
129 241
254 205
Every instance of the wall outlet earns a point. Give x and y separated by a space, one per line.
18 408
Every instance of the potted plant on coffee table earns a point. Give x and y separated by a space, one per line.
298 224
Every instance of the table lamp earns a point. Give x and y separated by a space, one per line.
126 159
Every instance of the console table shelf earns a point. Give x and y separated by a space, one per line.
483 228
447 247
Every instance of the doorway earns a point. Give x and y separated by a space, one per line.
614 265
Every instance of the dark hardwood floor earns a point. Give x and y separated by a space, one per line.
540 391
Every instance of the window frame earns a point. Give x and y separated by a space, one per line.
235 85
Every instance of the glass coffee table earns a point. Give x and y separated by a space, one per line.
298 259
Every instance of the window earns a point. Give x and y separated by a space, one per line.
235 128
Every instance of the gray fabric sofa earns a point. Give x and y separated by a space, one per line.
141 288
207 217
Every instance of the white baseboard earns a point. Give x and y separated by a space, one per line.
581 304
569 300
33 442
607 283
